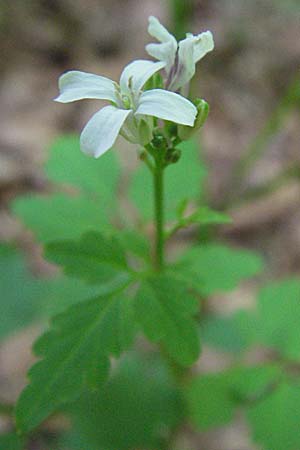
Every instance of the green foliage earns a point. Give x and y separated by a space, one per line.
274 422
68 165
60 216
20 292
28 298
72 356
182 181
131 401
202 216
90 206
273 411
134 243
165 310
110 270
274 323
230 334
205 216
10 441
94 258
213 398
278 317
140 401
60 292
211 268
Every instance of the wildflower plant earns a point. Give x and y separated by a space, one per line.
125 286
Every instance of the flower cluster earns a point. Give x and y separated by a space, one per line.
134 106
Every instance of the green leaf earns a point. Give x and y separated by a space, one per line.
59 216
165 311
274 421
202 216
61 292
94 258
10 441
68 165
213 398
25 299
205 216
135 243
135 409
209 401
75 352
230 334
63 216
182 180
212 268
278 317
20 292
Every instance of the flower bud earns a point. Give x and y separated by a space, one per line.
143 155
158 141
185 132
145 132
173 156
203 110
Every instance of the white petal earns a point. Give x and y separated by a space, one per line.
157 30
186 65
190 51
166 51
163 52
102 130
168 106
136 74
76 85
204 43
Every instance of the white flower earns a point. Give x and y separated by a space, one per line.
180 58
129 106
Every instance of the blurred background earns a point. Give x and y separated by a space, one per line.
250 142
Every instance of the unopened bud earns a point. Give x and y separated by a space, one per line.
173 156
143 155
184 131
203 111
158 141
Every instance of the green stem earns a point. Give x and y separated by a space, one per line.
158 175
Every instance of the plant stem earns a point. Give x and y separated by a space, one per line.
158 176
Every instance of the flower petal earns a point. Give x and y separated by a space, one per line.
102 130
186 67
190 51
157 30
168 106
76 85
136 73
204 43
166 51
